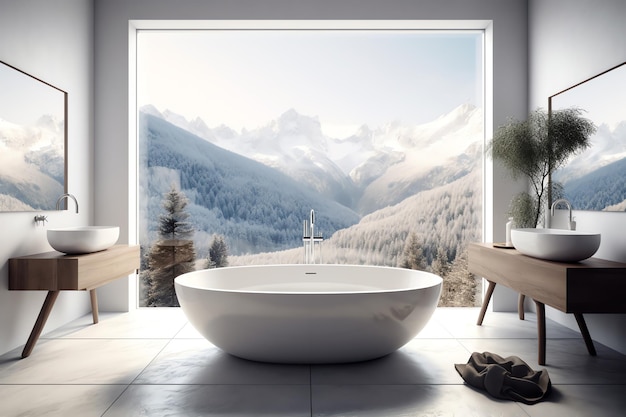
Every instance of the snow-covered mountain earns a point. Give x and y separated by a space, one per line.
607 146
370 169
31 164
425 157
256 206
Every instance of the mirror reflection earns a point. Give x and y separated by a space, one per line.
33 138
594 179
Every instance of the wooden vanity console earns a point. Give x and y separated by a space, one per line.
55 272
590 286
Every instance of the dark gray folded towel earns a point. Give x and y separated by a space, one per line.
505 378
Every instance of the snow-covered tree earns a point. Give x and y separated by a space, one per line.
413 254
459 285
441 265
218 253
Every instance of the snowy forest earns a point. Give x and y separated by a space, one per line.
396 196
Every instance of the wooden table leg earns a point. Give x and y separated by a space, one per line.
40 323
585 332
483 310
541 332
94 305
520 306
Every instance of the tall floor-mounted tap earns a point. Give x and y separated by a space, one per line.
311 240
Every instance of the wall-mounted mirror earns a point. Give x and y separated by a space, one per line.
33 142
594 179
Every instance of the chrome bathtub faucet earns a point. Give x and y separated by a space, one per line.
310 240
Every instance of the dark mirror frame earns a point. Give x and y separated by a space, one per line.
594 179
33 139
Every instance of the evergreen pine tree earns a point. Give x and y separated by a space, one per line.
440 265
172 254
460 285
218 253
413 254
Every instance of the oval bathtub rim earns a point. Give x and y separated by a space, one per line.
433 281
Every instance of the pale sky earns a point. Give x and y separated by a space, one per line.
346 78
602 98
24 99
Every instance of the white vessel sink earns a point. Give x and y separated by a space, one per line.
83 239
556 244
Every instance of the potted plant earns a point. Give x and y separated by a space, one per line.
535 148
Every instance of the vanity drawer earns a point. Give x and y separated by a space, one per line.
54 271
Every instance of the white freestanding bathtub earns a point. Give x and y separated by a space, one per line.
308 313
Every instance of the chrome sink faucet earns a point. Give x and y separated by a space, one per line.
571 224
66 196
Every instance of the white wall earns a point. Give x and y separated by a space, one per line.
51 40
571 41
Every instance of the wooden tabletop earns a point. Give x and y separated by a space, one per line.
590 286
54 271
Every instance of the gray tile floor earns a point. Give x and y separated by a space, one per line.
150 362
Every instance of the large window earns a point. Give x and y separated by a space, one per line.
242 133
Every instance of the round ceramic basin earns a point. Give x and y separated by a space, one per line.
83 239
556 244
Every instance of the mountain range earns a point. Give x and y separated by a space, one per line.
254 205
594 179
602 189
608 145
368 170
32 165
256 187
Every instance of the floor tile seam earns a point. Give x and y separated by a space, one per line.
215 384
397 384
433 338
443 327
192 338
534 339
522 409
69 384
112 338
189 338
180 330
156 355
280 385
468 341
116 399
310 390
590 384
515 338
